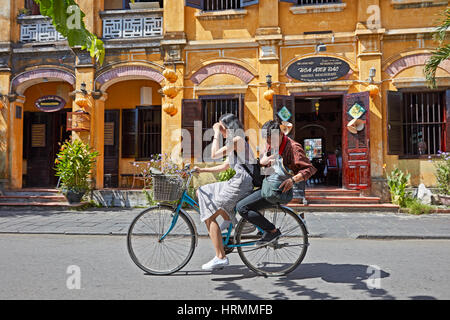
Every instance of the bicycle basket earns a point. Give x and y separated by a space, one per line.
167 187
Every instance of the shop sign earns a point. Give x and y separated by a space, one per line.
318 69
50 103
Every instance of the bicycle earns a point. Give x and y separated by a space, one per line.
161 239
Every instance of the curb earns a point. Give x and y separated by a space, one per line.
402 237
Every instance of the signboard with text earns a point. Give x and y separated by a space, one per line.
50 103
318 69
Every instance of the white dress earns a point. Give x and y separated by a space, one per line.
225 195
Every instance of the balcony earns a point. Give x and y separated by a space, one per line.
126 24
37 28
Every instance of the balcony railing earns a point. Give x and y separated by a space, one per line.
124 24
38 29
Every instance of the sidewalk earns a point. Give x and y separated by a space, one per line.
115 221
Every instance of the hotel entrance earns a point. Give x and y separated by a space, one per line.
333 128
318 127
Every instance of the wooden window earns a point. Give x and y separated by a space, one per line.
417 123
149 132
217 5
33 7
208 110
129 133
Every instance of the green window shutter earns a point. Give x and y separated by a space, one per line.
394 122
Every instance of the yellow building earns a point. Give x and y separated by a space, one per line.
326 61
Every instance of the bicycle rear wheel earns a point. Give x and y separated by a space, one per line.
156 256
281 256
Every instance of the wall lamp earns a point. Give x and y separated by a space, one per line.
321 47
269 81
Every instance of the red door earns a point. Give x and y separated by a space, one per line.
355 145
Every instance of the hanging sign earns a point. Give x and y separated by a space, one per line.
50 103
318 69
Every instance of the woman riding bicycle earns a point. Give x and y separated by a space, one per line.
220 198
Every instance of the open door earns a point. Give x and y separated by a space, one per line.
355 143
284 110
111 149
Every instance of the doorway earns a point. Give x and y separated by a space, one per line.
318 127
42 136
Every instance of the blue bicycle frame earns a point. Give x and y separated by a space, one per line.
185 198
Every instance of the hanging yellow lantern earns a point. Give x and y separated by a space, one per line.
373 90
268 94
170 75
170 91
83 102
170 109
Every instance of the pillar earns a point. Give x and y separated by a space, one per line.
98 133
16 142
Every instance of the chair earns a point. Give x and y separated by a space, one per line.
333 168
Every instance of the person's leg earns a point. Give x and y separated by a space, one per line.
248 208
216 234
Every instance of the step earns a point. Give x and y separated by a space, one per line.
357 207
331 192
31 192
342 200
40 205
31 198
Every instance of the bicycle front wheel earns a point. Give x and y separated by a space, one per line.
281 256
156 250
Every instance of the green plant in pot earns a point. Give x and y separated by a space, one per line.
442 165
74 163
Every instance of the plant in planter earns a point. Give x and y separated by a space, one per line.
74 163
24 12
398 181
442 165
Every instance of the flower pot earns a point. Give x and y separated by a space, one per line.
445 199
73 196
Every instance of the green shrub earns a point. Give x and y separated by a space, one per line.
442 165
416 207
74 163
397 182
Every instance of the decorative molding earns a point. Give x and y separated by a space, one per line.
318 8
404 83
221 14
127 72
339 85
225 89
409 4
222 68
37 75
410 61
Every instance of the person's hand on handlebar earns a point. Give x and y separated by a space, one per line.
196 169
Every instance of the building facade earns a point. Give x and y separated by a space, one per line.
327 62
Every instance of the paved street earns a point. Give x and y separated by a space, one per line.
35 267
115 221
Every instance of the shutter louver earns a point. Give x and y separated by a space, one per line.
394 120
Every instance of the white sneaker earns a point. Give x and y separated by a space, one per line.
215 263
224 225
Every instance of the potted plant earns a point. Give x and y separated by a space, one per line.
74 163
143 5
24 12
442 165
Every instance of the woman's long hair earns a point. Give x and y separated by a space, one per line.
233 126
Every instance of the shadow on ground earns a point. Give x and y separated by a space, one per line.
353 275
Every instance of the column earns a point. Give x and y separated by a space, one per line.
4 119
16 142
97 131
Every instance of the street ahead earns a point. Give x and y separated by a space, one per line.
46 266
